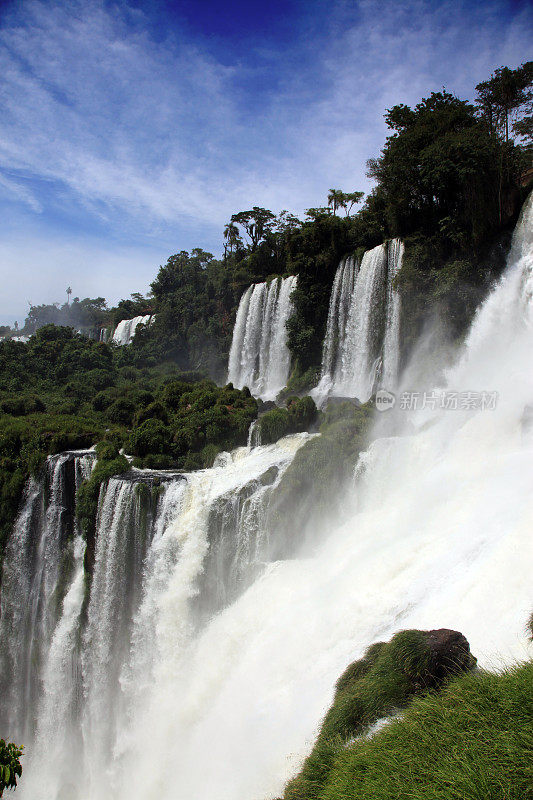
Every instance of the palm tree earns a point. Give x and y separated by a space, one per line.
352 198
231 235
337 199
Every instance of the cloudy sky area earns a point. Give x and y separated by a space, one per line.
132 130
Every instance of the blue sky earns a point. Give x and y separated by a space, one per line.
132 130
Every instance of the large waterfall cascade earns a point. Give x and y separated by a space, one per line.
125 330
225 661
259 357
172 549
362 341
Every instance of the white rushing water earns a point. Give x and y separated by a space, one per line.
171 551
41 552
259 357
391 339
439 535
360 346
362 341
125 330
339 308
232 657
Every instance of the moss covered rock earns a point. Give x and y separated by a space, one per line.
384 681
299 415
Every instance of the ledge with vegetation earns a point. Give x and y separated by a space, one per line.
414 719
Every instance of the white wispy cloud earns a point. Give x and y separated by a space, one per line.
92 101
156 137
14 189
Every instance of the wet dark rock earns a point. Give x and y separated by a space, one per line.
337 401
449 654
153 477
265 405
268 477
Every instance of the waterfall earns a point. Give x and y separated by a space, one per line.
438 533
391 339
215 654
360 346
259 357
254 435
362 338
120 543
39 559
339 306
125 330
172 549
253 337
239 331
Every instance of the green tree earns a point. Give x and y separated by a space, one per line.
438 171
505 93
287 222
336 199
232 238
182 270
257 223
351 199
10 766
316 214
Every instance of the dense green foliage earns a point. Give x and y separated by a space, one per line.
62 391
10 766
508 92
472 740
379 684
299 415
189 423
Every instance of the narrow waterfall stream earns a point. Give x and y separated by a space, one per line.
362 341
339 308
259 357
